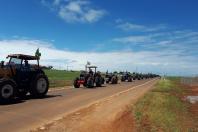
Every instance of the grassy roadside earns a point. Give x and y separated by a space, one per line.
162 109
60 78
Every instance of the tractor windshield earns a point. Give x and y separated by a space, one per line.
15 61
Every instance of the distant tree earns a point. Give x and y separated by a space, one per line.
115 72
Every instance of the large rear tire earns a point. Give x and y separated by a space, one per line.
90 82
7 90
39 86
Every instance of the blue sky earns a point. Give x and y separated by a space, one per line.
158 36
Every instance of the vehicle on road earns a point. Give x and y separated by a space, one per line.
111 78
126 76
89 78
18 77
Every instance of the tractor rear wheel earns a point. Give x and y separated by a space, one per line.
90 82
39 86
98 81
7 90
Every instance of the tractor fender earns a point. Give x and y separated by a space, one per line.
8 79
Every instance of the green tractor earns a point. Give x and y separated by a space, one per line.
18 77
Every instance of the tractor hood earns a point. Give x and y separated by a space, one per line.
5 72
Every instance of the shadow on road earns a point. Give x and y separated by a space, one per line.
93 87
26 98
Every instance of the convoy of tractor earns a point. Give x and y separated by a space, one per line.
18 77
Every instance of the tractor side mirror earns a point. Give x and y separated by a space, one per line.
2 64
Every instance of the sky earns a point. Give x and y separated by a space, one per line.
158 36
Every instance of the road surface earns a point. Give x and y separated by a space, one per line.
29 113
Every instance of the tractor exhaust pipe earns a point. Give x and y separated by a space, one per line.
2 64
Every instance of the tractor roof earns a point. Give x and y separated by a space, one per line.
92 66
22 56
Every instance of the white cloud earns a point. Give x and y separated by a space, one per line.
127 26
146 61
72 11
133 39
56 2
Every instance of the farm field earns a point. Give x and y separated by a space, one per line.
165 108
60 78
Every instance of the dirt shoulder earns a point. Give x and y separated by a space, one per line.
109 114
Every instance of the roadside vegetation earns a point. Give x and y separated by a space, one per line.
60 78
163 109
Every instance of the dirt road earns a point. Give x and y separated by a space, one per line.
32 113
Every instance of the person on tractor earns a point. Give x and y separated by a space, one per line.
27 65
91 72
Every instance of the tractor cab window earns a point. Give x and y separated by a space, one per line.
26 65
15 62
29 64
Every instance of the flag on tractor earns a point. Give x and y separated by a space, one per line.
38 54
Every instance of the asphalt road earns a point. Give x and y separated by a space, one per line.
28 114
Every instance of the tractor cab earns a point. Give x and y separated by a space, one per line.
23 61
24 75
92 70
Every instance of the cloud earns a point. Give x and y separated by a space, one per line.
72 11
56 2
184 40
133 39
127 26
168 61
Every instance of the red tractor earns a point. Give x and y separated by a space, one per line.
89 78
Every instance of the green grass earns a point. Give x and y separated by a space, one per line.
60 78
161 109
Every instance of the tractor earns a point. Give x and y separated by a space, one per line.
18 77
89 78
111 78
126 76
137 76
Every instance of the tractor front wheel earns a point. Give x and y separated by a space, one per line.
76 84
7 90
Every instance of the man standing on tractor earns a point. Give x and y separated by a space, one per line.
91 72
27 65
